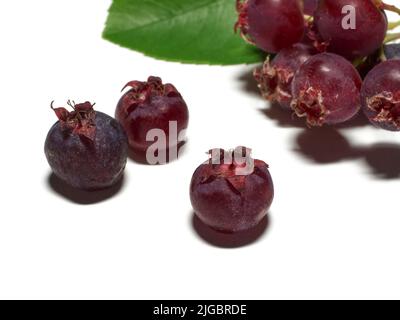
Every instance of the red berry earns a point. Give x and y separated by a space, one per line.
310 6
276 76
326 90
231 195
271 25
333 23
86 149
151 105
380 95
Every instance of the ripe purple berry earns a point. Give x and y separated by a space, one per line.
326 90
380 95
276 76
231 195
86 149
271 25
362 38
151 105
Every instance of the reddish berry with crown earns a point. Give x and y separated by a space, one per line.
151 105
326 90
231 192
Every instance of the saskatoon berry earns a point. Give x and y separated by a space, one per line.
351 41
276 76
326 90
310 6
271 25
231 192
392 51
87 149
380 95
151 105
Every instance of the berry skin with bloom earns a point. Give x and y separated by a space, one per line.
380 95
230 195
87 149
271 25
276 76
151 105
350 36
326 90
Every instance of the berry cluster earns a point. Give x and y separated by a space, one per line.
88 150
319 53
322 50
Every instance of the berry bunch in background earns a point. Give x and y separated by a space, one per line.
276 76
281 20
318 53
380 95
326 90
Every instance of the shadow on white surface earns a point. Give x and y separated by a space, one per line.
248 83
325 145
80 196
282 117
227 240
384 160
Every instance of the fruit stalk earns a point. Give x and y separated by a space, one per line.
392 37
384 6
393 25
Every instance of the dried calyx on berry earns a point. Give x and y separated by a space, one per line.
275 76
326 90
143 92
380 95
387 107
80 121
150 106
229 163
231 192
86 149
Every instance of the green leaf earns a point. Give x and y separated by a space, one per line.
190 31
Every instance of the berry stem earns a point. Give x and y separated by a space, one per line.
393 25
388 7
392 37
308 18
359 61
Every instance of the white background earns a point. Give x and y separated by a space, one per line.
334 229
